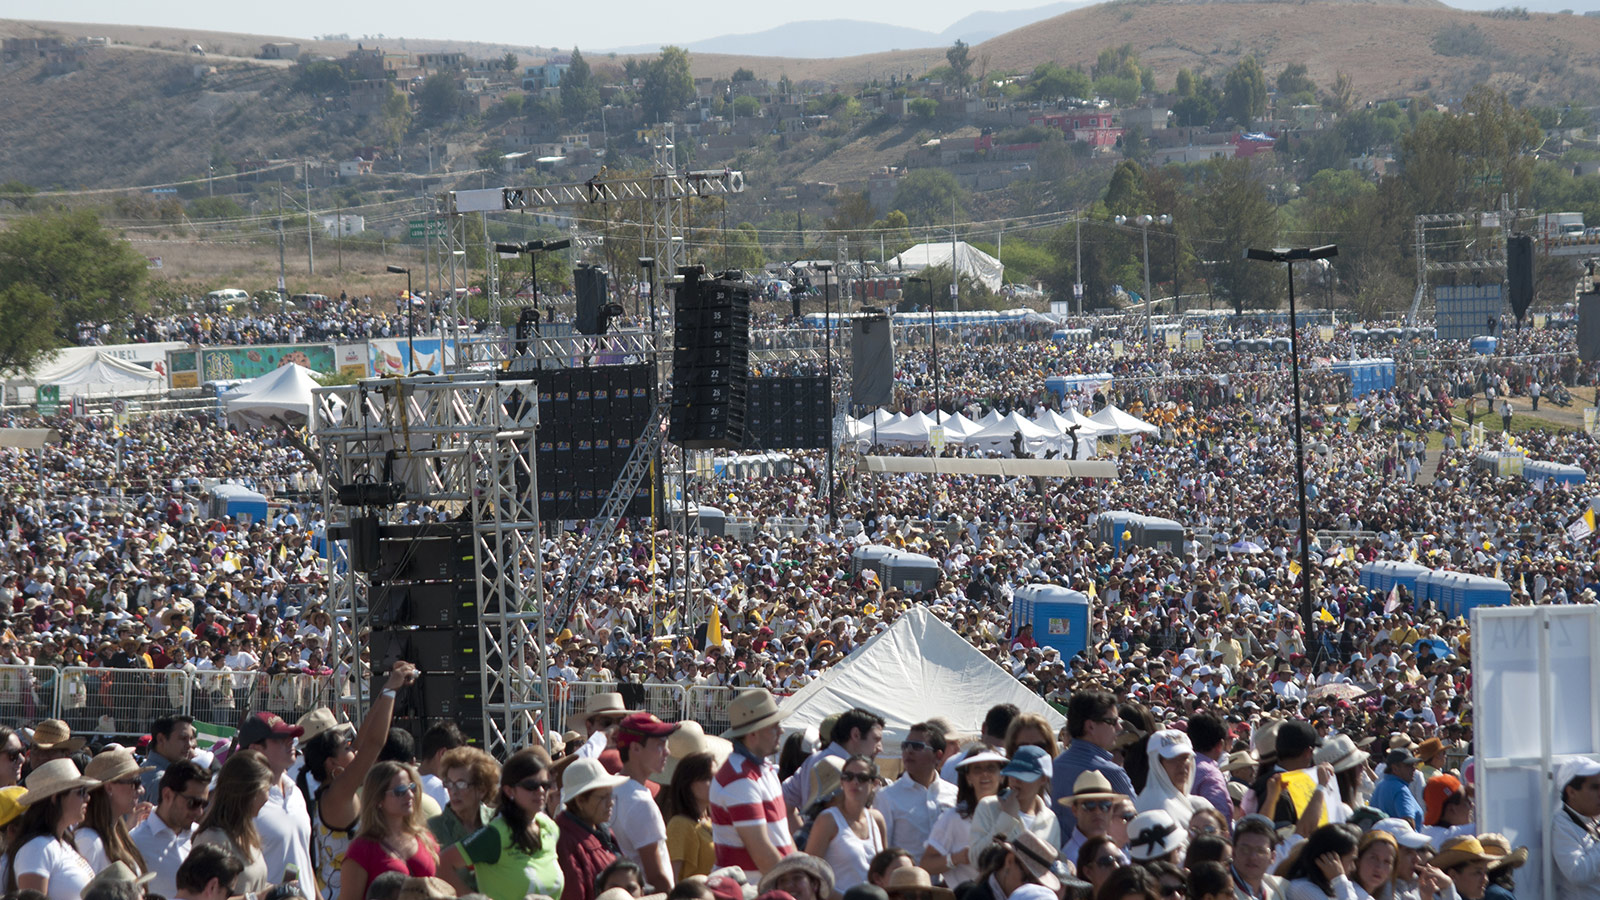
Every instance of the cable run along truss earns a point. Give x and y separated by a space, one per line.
463 444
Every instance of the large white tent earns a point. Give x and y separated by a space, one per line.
1122 423
970 262
102 375
914 670
284 393
999 434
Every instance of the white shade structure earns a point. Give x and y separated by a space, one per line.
283 393
1001 433
1122 423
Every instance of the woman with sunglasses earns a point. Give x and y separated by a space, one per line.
43 857
947 856
848 832
242 790
471 778
335 763
392 836
103 837
515 854
1097 859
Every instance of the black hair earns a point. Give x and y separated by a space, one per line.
617 867
1331 838
1130 880
1206 731
401 747
793 754
997 721
1206 848
205 862
935 733
1083 708
386 886
163 725
883 859
316 753
1209 877
445 735
855 719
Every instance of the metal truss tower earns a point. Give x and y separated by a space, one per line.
462 445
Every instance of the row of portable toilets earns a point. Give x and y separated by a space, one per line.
1252 345
1392 333
1120 527
909 572
1453 593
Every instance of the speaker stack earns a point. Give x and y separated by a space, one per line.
710 361
787 413
423 607
589 419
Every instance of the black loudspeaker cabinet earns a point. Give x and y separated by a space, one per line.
589 283
434 552
787 413
710 362
1519 274
447 604
429 649
586 415
417 726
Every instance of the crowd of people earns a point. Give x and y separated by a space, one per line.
1215 741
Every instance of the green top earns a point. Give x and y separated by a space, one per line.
448 829
506 871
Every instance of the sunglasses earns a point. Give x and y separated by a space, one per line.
534 787
861 777
402 790
913 745
1095 805
1106 862
193 802
1110 720
459 786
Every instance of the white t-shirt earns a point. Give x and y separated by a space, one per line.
433 786
90 846
636 820
65 868
284 825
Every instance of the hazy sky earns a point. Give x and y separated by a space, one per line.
602 24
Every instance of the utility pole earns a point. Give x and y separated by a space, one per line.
338 237
283 289
1077 274
955 271
311 256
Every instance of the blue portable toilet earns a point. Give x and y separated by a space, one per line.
1059 616
1383 574
910 572
870 556
1554 472
243 504
1110 527
1480 590
1484 344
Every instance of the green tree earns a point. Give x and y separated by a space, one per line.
215 208
1125 193
439 98
923 107
1194 111
742 74
1293 82
394 118
1050 82
668 86
320 78
1184 86
1341 96
743 248
580 96
746 107
1124 91
1245 92
930 197
1455 162
27 326
1236 213
88 274
960 59
509 62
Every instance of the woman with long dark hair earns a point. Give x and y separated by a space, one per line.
43 857
103 837
947 853
241 791
848 832
686 807
515 854
391 836
1322 866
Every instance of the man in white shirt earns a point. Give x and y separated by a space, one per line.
914 802
163 838
636 821
284 824
1576 841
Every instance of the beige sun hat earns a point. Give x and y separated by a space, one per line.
688 740
584 776
52 778
751 711
54 734
113 765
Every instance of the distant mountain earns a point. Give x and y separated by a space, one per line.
836 38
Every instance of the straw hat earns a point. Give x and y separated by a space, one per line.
116 873
1239 759
1037 857
688 740
606 703
752 711
320 721
52 778
1342 753
907 879
801 862
1090 785
1499 846
1459 850
429 888
584 776
53 734
113 765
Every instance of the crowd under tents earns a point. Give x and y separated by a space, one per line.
1046 432
284 394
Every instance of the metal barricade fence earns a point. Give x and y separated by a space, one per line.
708 705
290 694
570 699
27 693
104 701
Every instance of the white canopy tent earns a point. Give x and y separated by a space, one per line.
102 375
284 393
1122 423
957 427
970 262
952 679
913 429
999 434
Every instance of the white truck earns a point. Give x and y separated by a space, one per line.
1560 226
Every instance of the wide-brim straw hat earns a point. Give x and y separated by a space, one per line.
1090 785
52 778
320 721
586 775
802 862
915 878
54 734
752 711
606 703
113 765
1499 846
1460 850
687 741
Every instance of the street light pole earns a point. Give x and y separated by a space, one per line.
1144 222
1289 257
411 308
827 351
933 331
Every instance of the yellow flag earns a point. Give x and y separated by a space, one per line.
1588 517
1350 554
1294 567
714 627
1300 785
1325 616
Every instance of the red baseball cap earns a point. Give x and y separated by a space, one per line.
641 726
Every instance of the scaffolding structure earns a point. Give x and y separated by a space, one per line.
461 445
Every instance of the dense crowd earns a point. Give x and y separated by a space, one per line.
1215 742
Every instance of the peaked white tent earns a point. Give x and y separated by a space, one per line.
1000 433
970 262
285 393
916 669
102 375
989 418
957 427
1122 423
913 429
1087 427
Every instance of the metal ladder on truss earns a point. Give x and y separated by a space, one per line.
622 491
